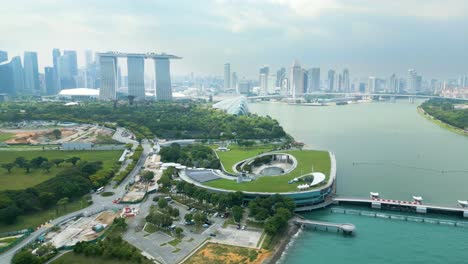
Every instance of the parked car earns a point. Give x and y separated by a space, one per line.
212 234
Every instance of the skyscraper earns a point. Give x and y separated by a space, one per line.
305 79
108 77
346 83
314 80
6 78
3 56
372 85
18 74
88 58
297 79
271 84
331 80
136 76
263 79
163 79
411 81
392 84
55 57
234 81
65 70
31 73
49 80
280 75
72 60
339 83
227 76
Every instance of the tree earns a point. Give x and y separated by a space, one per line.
46 166
271 226
37 161
57 162
8 166
147 175
188 217
162 203
63 202
237 213
199 218
25 257
131 99
20 161
175 212
73 160
27 166
179 231
57 133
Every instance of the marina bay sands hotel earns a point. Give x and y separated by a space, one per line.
136 74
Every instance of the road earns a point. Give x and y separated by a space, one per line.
99 203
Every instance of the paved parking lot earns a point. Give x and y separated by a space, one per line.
238 237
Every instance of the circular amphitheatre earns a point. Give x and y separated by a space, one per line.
267 164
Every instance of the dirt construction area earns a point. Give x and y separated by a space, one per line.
212 253
80 229
232 236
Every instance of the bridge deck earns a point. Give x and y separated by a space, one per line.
400 203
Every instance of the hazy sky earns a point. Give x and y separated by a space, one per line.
370 37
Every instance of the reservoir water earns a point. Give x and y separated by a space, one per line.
387 148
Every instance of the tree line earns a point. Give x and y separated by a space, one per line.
163 119
196 155
444 110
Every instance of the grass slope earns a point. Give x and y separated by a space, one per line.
319 160
35 219
4 136
19 179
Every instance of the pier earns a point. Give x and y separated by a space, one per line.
379 203
345 228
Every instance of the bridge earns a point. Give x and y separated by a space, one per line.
345 228
378 203
280 96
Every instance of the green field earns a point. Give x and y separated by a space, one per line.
306 159
38 218
4 136
19 179
236 154
72 258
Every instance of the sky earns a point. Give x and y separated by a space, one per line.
370 37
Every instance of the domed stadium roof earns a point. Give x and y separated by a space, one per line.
234 106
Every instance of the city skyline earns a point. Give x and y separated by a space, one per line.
380 38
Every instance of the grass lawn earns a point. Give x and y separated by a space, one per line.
4 136
35 219
174 242
306 159
72 258
19 179
150 228
236 154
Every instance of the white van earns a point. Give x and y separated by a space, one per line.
100 190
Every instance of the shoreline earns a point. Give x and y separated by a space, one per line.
281 247
440 123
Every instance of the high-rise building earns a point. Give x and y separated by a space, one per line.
346 83
136 76
108 77
313 83
393 84
6 78
227 76
31 73
297 79
49 80
280 75
411 81
55 57
18 74
244 87
331 80
263 80
339 83
65 71
3 56
372 85
72 60
234 81
271 84
163 79
89 58
305 78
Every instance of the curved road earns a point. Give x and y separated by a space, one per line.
99 203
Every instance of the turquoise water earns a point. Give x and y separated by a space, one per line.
387 148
